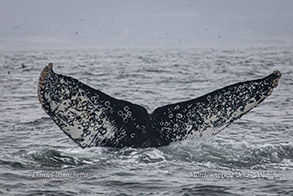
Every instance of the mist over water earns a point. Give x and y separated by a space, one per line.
252 156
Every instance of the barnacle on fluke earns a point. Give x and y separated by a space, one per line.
92 118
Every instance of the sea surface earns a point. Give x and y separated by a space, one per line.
252 156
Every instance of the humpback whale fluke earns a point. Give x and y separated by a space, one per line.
92 118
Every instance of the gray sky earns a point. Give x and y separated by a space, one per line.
144 23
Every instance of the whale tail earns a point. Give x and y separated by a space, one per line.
209 114
92 118
88 116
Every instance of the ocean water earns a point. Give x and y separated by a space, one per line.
252 156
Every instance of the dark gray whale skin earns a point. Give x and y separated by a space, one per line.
92 118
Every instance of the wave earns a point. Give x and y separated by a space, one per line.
208 154
232 155
50 158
